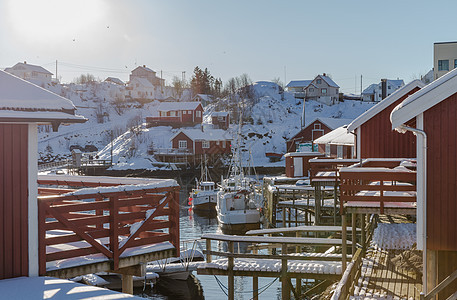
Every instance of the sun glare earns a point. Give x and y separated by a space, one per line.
52 19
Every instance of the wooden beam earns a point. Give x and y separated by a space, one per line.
127 284
137 270
231 279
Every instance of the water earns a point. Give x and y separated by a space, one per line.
192 226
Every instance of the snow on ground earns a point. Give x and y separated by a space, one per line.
118 128
54 288
395 236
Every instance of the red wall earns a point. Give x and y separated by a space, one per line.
306 135
181 136
440 124
378 140
13 201
213 147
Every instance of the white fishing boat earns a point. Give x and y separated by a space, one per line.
238 198
204 196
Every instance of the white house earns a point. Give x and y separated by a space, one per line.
145 85
32 73
374 92
444 58
322 89
114 80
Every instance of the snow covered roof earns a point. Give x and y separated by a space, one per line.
422 100
144 68
339 136
206 135
386 102
114 80
370 89
329 81
28 67
204 97
23 101
331 123
174 106
142 81
299 83
395 83
220 114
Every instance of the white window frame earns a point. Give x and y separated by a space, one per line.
223 144
205 144
317 126
182 144
172 113
198 114
327 150
339 151
324 91
189 112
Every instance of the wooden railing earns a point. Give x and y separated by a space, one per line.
104 220
377 185
350 276
328 168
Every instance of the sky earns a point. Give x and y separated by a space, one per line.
289 40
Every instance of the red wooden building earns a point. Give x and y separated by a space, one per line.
197 141
177 114
317 128
432 112
375 138
22 106
221 119
337 143
297 163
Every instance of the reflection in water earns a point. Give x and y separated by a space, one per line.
192 226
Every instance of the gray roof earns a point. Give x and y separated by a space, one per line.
29 67
329 81
206 135
175 106
299 83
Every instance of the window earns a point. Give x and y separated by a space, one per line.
189 112
182 144
327 150
311 89
172 114
443 65
223 144
339 151
324 91
319 81
184 112
198 114
217 143
388 87
317 126
455 63
205 144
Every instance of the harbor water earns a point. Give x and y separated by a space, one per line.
192 226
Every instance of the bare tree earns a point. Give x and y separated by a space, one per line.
178 86
119 103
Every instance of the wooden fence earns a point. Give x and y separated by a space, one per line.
106 220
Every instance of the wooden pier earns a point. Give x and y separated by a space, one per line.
285 265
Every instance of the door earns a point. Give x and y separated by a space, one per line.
298 166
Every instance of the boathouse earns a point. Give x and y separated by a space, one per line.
374 136
297 163
317 128
431 113
337 143
221 119
22 107
198 141
177 114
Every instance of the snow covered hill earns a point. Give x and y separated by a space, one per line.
115 126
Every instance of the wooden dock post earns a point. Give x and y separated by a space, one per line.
208 250
127 284
344 242
231 277
255 282
354 232
285 293
363 236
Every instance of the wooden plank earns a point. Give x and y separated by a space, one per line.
305 228
276 239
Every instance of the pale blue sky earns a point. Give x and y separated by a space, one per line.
378 39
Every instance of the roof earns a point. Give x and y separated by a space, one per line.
383 104
220 114
143 68
422 100
22 101
29 67
204 97
339 136
329 81
173 106
299 83
206 135
143 81
115 80
331 123
396 83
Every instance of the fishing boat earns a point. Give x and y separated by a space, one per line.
204 197
238 198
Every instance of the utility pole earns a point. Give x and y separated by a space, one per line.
360 85
285 76
57 78
183 76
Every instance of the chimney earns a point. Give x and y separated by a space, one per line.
323 74
25 62
144 66
383 88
